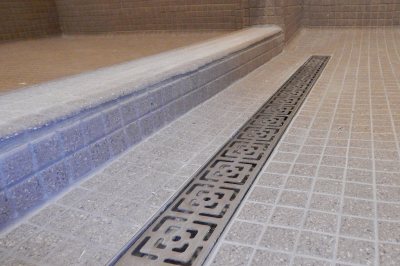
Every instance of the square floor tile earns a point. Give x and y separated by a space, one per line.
286 216
232 255
293 198
244 233
322 202
299 183
356 251
255 212
321 222
389 254
314 244
356 207
357 227
263 195
264 257
389 231
278 238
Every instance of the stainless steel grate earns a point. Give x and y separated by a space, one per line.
186 230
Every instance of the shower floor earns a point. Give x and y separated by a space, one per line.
29 62
328 195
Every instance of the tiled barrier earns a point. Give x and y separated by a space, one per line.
51 144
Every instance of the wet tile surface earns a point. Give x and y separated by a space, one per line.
329 194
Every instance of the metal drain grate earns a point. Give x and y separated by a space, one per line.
186 230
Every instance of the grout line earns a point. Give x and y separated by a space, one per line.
376 252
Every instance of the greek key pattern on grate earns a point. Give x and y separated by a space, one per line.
186 230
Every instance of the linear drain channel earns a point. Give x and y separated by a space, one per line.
186 230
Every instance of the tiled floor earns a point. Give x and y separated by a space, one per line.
330 194
25 63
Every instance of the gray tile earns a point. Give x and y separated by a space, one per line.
129 110
133 133
160 197
388 193
278 238
389 254
328 186
73 196
234 255
331 172
38 246
17 164
244 233
322 202
308 159
322 222
315 244
357 190
26 194
271 180
299 183
80 163
71 138
286 157
16 236
95 181
99 152
386 178
263 195
389 231
16 262
269 258
47 214
55 178
388 211
68 222
357 227
357 207
128 211
387 166
287 217
361 176
304 170
76 253
255 212
356 251
93 202
93 128
112 119
358 163
308 149
333 161
117 142
6 209
301 261
293 198
278 168
47 150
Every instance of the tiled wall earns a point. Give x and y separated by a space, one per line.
293 15
351 13
27 18
77 16
285 13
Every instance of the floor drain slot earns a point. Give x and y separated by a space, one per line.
185 232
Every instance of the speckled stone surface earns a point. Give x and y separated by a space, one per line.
75 142
285 220
329 195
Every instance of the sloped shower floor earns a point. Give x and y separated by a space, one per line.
329 194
